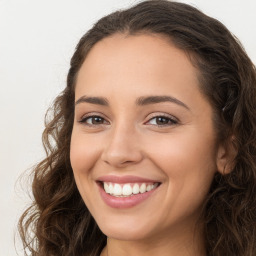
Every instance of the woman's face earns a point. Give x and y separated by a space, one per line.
142 129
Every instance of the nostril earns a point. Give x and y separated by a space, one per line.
121 152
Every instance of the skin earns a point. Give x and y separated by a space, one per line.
182 154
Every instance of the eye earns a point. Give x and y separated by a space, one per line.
93 120
162 121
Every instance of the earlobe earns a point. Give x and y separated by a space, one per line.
226 156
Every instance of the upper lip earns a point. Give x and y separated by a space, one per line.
125 179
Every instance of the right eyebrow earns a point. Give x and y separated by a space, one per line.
159 99
93 100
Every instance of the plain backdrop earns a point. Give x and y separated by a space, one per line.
37 39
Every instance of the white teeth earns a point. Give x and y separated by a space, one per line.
127 189
136 189
106 187
143 188
110 188
117 190
149 187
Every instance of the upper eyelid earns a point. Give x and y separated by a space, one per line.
172 122
91 114
158 114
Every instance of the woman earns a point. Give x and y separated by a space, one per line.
154 142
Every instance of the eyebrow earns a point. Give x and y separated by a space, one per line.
93 100
141 101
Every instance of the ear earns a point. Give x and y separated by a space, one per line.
226 155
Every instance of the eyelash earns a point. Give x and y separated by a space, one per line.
170 120
86 118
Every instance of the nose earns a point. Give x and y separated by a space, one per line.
122 148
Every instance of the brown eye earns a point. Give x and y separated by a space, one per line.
162 121
93 120
97 120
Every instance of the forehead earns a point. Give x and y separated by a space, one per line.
140 63
150 50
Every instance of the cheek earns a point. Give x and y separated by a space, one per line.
188 162
190 150
84 152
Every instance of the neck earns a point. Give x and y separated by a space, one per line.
181 243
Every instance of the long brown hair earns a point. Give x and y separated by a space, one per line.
58 222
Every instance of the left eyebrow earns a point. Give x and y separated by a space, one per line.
141 101
93 100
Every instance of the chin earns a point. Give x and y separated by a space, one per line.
125 235
125 230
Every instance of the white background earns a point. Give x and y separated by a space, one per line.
37 39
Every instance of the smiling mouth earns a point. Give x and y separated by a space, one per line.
127 189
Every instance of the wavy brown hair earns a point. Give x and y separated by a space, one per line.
58 222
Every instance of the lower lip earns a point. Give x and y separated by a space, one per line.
124 202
